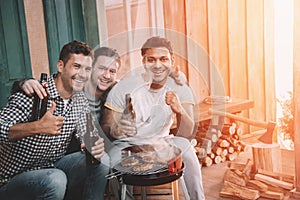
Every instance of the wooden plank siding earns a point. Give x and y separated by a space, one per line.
218 46
232 38
36 39
237 48
174 15
223 47
197 47
297 91
255 58
269 38
235 36
238 35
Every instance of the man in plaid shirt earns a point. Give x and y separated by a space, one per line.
33 164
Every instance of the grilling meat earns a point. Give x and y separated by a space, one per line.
148 159
144 153
130 161
144 158
142 167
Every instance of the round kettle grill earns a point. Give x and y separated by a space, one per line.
160 172
156 178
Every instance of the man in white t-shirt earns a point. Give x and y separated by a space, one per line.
157 100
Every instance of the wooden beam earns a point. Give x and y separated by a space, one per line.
218 46
297 93
174 15
102 22
197 47
36 39
237 48
269 75
255 58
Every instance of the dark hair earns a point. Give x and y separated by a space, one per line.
155 42
74 47
106 51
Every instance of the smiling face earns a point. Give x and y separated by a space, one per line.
158 63
104 72
74 74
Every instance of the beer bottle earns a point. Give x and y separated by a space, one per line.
39 106
129 111
90 137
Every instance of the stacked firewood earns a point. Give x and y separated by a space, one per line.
241 183
216 145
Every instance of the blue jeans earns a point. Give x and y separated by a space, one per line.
71 179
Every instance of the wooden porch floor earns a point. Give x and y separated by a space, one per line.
213 175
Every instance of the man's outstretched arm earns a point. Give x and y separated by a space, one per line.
29 86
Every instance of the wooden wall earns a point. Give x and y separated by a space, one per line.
224 47
238 37
297 92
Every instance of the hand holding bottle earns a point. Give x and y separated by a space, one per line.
129 112
39 106
97 150
127 123
32 86
92 142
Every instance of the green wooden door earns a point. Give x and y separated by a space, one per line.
14 51
64 22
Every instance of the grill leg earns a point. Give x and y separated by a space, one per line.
114 185
183 186
175 190
123 192
143 193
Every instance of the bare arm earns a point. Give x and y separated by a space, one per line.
17 85
184 114
29 86
32 86
186 121
48 124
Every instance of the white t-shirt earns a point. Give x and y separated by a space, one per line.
153 115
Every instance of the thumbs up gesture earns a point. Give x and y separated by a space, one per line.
51 124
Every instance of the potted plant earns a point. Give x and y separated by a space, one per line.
286 121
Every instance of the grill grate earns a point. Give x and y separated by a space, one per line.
156 168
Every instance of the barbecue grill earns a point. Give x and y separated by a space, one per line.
159 173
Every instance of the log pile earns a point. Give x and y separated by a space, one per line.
241 183
216 145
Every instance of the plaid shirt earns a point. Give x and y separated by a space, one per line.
39 151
